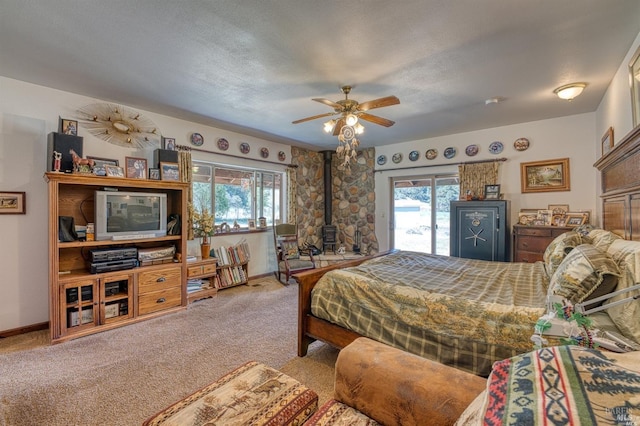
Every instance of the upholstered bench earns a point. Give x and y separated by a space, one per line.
252 394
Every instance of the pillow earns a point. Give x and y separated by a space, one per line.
558 249
581 275
290 249
560 385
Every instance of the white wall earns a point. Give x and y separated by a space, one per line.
28 113
571 137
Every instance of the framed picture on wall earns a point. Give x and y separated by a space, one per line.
12 202
607 141
634 78
545 176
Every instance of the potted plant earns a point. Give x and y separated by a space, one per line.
203 228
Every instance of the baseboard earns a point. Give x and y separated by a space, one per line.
23 330
267 274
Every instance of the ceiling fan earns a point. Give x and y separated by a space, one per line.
349 107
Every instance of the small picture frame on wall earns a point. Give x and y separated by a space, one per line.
67 127
13 202
492 192
169 143
154 174
169 171
607 141
136 167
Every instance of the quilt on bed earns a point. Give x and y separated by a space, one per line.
461 312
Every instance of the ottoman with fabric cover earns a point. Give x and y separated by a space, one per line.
252 394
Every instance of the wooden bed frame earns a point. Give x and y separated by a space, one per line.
620 173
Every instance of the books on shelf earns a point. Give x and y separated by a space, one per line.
197 285
234 255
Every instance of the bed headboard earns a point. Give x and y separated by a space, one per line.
620 180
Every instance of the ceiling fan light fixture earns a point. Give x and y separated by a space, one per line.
329 126
570 91
359 128
351 119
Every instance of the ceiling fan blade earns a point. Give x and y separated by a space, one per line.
377 120
328 102
302 120
378 103
339 125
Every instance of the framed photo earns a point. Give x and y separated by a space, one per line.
558 220
99 163
262 221
575 219
527 216
556 209
545 216
154 174
169 171
114 171
585 213
545 176
136 167
13 202
68 127
634 78
607 141
252 224
169 143
492 192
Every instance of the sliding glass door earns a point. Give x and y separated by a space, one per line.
420 219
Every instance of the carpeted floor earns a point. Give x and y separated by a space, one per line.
123 376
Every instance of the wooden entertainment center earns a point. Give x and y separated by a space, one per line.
83 303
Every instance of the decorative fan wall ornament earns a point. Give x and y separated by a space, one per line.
119 125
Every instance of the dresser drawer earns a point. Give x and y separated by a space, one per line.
203 268
532 243
528 257
159 279
158 300
534 232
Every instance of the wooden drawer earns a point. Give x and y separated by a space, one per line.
158 300
205 268
527 256
159 279
533 232
536 244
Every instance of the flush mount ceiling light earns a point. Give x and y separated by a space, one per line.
570 91
119 125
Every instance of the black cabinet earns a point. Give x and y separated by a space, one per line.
480 230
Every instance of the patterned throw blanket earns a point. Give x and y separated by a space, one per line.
461 312
564 385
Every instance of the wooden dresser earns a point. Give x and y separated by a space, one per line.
530 242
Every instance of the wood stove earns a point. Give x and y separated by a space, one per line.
329 237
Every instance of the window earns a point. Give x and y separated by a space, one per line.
237 194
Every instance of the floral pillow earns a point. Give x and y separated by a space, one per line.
585 273
290 249
558 249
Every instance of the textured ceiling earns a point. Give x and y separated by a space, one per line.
253 65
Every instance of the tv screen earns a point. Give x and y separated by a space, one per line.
122 215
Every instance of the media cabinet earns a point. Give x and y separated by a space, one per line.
82 303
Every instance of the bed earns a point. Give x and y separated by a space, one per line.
470 313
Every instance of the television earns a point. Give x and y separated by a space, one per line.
130 215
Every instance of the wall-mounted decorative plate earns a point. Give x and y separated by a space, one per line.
472 150
282 156
223 144
397 157
521 144
431 154
382 159
496 147
450 152
264 152
245 148
414 155
197 139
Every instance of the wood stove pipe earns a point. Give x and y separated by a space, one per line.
327 187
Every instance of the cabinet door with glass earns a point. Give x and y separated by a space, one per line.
116 293
78 305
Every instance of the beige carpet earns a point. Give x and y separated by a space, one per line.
123 376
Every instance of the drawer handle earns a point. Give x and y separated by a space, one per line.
525 244
161 280
161 300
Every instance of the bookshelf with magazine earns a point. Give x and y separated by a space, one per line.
232 267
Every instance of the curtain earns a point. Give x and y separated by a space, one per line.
292 189
186 175
474 176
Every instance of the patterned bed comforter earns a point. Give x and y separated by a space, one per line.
460 312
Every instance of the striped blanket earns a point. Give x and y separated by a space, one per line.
460 312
